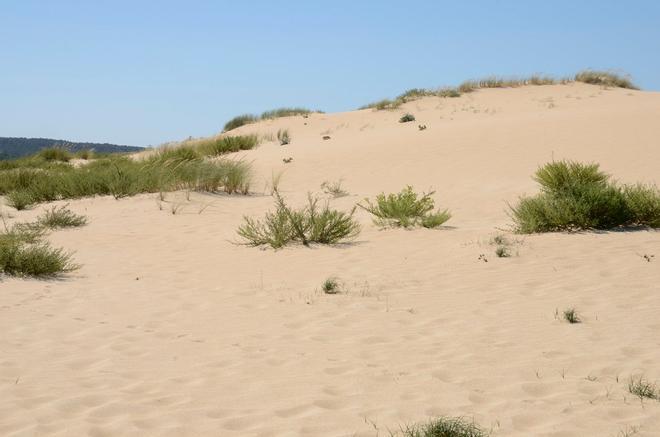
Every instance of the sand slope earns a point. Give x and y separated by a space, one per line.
170 329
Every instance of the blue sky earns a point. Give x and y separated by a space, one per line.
145 72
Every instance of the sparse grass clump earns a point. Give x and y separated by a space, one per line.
576 196
406 210
572 316
643 388
331 286
55 154
57 218
407 117
445 427
605 78
286 112
283 137
240 120
311 224
23 253
85 154
334 188
244 119
385 104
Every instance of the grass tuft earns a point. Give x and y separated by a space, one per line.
334 189
58 218
240 120
571 316
283 137
445 427
406 118
643 388
311 224
605 78
331 286
405 209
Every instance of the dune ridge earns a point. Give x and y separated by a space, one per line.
170 329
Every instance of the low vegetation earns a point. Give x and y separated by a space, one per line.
603 78
244 119
55 154
406 209
572 316
24 253
576 196
334 189
58 218
311 224
26 182
331 286
406 118
445 427
283 137
643 388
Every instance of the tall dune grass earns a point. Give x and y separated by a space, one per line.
121 177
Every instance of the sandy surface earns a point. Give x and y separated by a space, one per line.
170 329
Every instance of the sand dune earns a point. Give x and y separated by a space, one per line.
170 329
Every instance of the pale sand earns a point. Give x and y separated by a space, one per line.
170 329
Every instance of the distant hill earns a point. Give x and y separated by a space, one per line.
17 147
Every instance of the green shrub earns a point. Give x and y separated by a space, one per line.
175 155
605 78
22 253
406 209
577 196
55 154
311 224
239 121
407 117
445 427
57 218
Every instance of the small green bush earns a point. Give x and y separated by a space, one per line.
577 196
55 154
605 78
239 121
445 427
85 154
407 117
310 224
22 253
405 209
57 218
